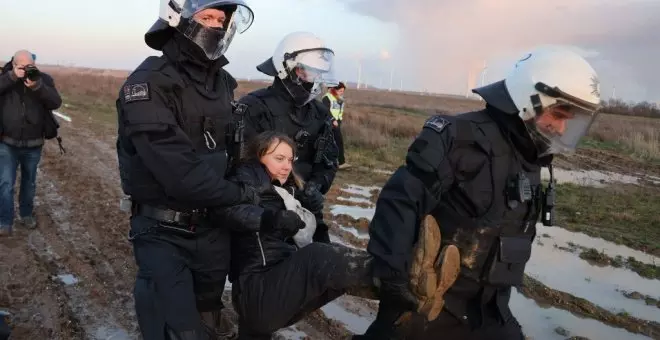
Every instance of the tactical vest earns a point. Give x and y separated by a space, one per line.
482 213
204 120
336 109
308 134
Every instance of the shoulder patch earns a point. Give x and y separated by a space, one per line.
136 92
436 123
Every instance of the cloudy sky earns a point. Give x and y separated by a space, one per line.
434 45
443 39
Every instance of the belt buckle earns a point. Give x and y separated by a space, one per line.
193 221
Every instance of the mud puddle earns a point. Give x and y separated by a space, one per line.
352 211
361 197
565 238
565 271
291 333
354 232
360 190
339 240
549 323
595 178
354 316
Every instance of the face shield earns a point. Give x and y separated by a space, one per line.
308 71
212 37
558 128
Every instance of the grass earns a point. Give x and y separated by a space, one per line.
637 136
623 214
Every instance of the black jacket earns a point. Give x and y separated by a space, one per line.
272 108
460 169
170 109
23 111
253 250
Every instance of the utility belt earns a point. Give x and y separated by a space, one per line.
186 222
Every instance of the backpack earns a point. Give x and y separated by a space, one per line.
51 127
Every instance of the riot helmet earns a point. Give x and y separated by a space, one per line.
555 92
304 64
187 17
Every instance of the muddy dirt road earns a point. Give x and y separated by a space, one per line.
72 277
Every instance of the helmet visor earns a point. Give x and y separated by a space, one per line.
308 70
215 41
236 12
560 127
314 66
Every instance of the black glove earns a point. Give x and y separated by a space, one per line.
321 234
312 198
285 220
395 292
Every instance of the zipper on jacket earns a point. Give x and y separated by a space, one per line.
263 256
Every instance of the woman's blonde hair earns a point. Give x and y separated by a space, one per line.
260 145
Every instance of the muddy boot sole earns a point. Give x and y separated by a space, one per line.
448 268
423 276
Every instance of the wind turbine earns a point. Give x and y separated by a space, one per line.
483 74
391 77
359 73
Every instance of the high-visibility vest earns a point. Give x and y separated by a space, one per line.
336 109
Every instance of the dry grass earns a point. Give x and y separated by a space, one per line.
378 125
637 135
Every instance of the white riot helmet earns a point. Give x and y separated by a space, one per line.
214 41
555 92
303 62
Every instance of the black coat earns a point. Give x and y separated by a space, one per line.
23 111
254 250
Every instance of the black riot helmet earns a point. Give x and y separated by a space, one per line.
179 15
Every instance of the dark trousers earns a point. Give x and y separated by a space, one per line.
287 292
339 139
446 326
5 331
179 276
10 158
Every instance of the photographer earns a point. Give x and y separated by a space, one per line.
27 97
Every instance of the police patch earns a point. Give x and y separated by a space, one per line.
436 123
136 92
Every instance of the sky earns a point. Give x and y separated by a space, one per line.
422 45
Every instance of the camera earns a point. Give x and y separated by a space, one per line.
32 72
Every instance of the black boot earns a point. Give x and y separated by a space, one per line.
388 325
219 324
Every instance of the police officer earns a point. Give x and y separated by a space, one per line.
478 174
334 101
300 64
173 113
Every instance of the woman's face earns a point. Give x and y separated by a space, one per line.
278 161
